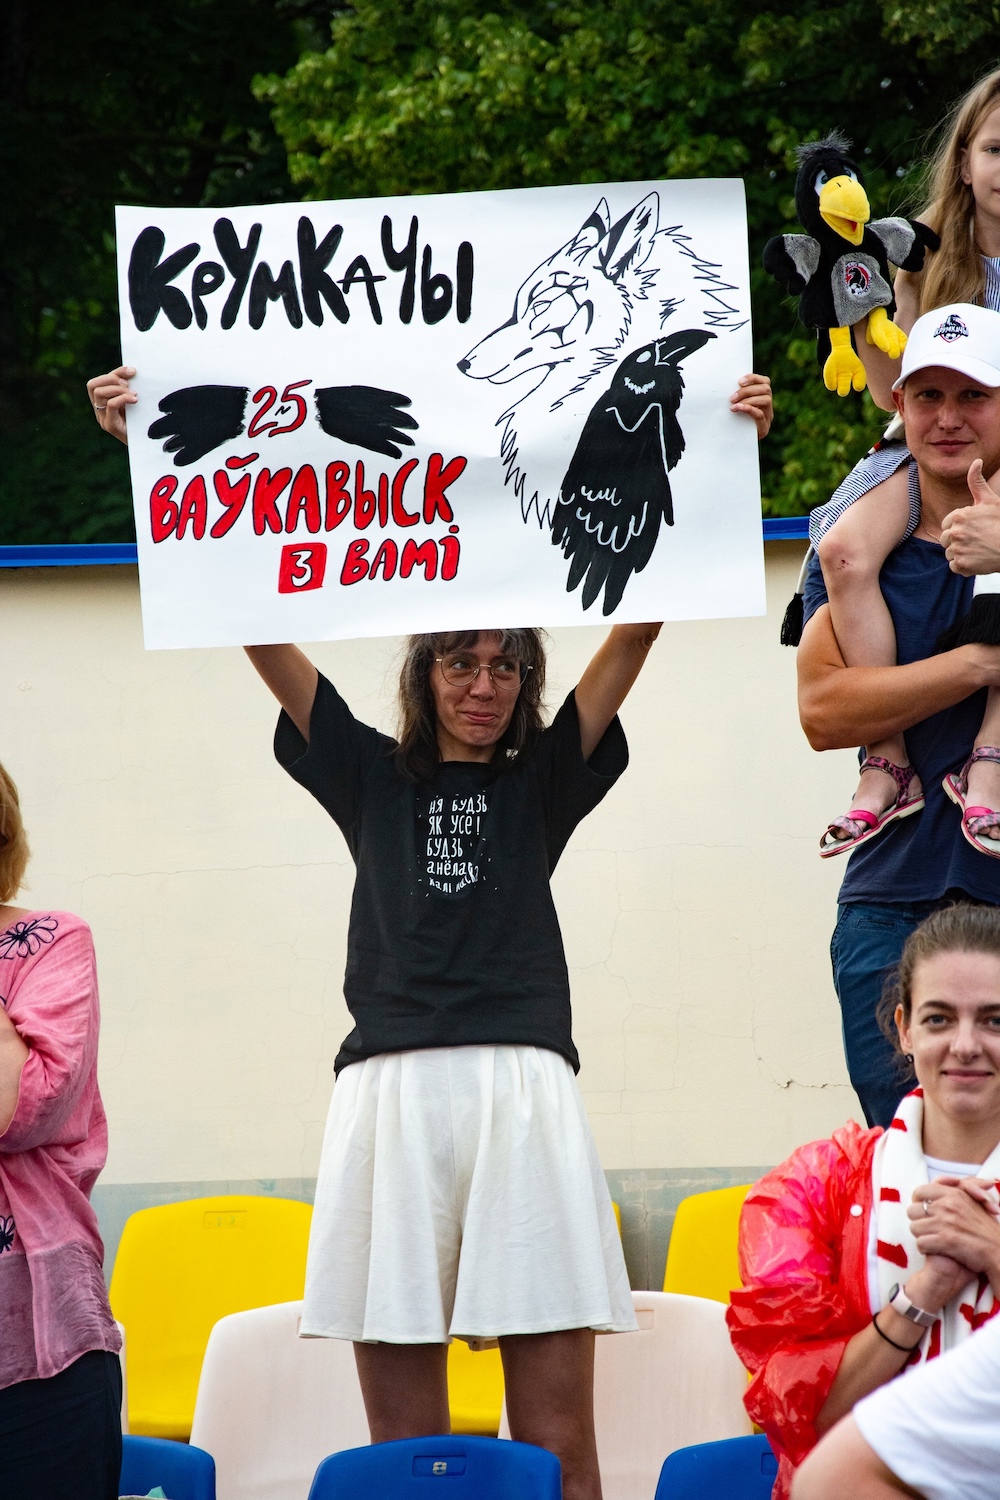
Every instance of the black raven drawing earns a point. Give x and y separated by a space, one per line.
203 417
616 493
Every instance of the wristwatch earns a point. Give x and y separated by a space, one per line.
900 1302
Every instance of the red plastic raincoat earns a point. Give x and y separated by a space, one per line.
803 1260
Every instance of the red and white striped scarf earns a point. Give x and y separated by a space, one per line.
898 1168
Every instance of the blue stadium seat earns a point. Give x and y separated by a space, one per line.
734 1469
477 1468
180 1471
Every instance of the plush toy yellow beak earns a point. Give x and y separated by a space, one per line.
843 203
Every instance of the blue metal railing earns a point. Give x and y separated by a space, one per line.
90 554
67 555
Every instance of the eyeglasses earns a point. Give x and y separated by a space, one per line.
462 671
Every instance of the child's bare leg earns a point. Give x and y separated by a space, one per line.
984 775
852 554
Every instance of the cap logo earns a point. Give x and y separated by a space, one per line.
951 329
857 278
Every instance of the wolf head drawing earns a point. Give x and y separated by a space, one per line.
570 318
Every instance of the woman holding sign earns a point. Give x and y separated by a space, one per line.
459 1189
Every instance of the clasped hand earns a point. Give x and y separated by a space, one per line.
956 1224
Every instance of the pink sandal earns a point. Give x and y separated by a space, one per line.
975 820
860 824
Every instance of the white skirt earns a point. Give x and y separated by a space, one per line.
460 1195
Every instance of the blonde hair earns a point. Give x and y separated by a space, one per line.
955 272
14 850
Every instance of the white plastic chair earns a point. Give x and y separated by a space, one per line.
675 1382
271 1405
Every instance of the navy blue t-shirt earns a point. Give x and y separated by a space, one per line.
922 857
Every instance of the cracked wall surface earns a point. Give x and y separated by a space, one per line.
695 911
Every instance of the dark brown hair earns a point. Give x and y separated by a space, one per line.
417 754
962 928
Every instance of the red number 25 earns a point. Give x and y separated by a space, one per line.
268 395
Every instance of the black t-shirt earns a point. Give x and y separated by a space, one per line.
453 938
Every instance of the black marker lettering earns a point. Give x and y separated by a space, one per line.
402 260
360 270
266 287
435 291
208 277
149 278
463 282
313 261
239 261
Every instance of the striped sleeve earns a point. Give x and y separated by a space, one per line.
878 464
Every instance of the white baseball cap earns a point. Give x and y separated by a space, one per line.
960 337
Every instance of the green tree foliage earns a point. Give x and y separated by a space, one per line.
153 105
446 95
150 104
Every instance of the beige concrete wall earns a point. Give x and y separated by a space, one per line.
695 910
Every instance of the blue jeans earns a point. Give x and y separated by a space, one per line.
867 942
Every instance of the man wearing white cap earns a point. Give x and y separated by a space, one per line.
948 395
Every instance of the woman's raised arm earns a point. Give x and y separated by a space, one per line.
604 686
292 679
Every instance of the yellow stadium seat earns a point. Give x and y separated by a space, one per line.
475 1382
702 1259
179 1269
475 1389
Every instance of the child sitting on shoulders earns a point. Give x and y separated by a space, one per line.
878 504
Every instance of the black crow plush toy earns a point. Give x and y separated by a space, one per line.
200 418
841 265
616 493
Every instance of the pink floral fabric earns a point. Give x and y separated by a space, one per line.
53 1301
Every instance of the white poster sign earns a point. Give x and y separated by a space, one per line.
469 410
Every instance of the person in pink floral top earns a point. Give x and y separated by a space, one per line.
60 1378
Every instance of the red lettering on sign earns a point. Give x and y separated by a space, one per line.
399 515
302 568
233 498
265 495
338 499
289 398
269 396
194 508
436 481
304 500
163 508
424 556
385 558
451 549
364 500
355 568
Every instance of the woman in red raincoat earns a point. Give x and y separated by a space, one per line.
872 1251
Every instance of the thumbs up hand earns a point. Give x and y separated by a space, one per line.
981 490
971 535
